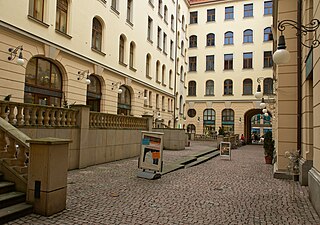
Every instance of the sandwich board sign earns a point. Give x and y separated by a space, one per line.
225 150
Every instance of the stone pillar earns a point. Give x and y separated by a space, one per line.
150 121
47 175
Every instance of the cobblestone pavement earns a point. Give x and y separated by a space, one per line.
218 192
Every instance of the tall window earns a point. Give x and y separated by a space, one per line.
228 120
268 86
171 49
209 121
247 60
164 44
210 88
121 49
248 10
267 59
211 15
131 57
228 61
247 87
192 88
148 64
165 14
96 34
228 38
129 11
114 5
248 36
150 23
160 7
43 83
158 71
159 38
170 79
36 9
193 41
268 8
228 13
182 22
163 72
210 39
209 62
94 94
228 86
62 15
172 22
193 17
124 101
267 34
182 48
193 63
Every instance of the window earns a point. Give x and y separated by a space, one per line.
43 83
209 121
162 103
228 121
267 59
159 38
248 36
248 10
209 62
181 106
211 15
247 87
267 36
247 60
124 101
191 128
181 73
150 99
170 79
131 57
172 22
268 86
191 113
210 39
158 71
193 17
182 48
182 23
148 64
210 88
228 86
150 24
228 61
94 94
171 49
62 16
163 72
114 5
193 63
228 13
268 8
160 7
164 44
193 41
129 11
192 88
157 101
121 49
228 38
36 9
165 14
96 34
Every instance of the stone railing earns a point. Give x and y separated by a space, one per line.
22 114
104 120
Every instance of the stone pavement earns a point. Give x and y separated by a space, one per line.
217 192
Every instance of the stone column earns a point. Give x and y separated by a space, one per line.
47 175
150 121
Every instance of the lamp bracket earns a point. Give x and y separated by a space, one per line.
83 74
302 29
14 52
115 84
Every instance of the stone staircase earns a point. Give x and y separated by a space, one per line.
12 203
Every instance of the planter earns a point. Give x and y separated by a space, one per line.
268 159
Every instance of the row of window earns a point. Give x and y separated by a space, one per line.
247 87
228 61
229 12
229 38
160 104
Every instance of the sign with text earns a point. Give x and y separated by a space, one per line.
225 150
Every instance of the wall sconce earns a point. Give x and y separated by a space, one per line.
13 55
84 74
177 118
140 93
262 104
259 94
240 120
116 85
198 120
282 56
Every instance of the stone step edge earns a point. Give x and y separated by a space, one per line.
14 212
203 159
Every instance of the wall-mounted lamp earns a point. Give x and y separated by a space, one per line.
240 120
262 104
198 120
282 56
116 85
264 111
140 94
177 118
259 94
84 74
14 53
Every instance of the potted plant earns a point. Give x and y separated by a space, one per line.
268 146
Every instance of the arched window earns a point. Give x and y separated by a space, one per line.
209 122
182 23
228 86
94 94
210 88
172 22
158 71
160 7
43 83
191 128
148 64
193 41
163 74
170 79
192 88
248 36
247 87
210 39
121 49
96 34
181 74
131 59
268 86
165 14
267 35
181 105
182 48
228 38
124 101
228 121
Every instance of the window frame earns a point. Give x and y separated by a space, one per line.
248 10
229 15
228 62
247 61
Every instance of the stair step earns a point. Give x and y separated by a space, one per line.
205 153
6 186
203 159
11 198
171 167
14 212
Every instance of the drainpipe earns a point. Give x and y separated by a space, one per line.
299 76
175 68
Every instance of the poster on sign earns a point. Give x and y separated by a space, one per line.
225 150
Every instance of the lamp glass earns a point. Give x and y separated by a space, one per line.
20 61
265 111
119 91
88 81
262 105
258 94
281 56
266 114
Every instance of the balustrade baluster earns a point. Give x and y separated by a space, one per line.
40 117
52 117
11 114
73 118
26 115
63 118
69 118
19 115
58 118
47 117
3 111
12 149
22 156
34 116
